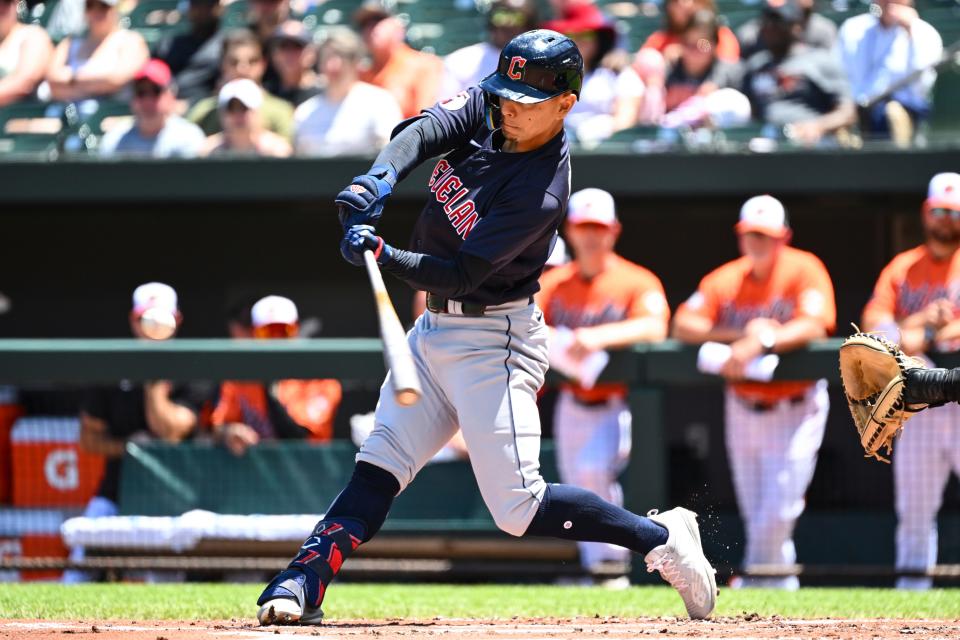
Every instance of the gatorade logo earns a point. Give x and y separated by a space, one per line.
61 469
516 63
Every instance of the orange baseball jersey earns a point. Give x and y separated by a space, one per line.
914 279
311 404
799 286
624 290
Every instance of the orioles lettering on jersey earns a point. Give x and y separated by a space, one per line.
734 315
567 316
448 190
911 299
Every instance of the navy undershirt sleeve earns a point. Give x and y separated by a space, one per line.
448 278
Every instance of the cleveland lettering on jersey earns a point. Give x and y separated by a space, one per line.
447 189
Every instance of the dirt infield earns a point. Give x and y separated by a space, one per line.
747 627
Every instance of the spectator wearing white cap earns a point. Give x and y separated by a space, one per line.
155 131
598 302
916 302
159 409
239 105
773 299
250 412
350 116
100 63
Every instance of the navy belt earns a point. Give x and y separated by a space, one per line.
439 304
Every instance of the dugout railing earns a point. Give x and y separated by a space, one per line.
648 370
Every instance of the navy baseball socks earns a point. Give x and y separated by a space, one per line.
294 596
669 541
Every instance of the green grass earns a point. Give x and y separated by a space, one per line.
224 601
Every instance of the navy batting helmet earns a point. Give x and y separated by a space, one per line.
533 67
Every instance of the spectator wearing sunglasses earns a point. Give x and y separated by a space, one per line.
155 130
293 57
239 105
100 63
24 54
250 412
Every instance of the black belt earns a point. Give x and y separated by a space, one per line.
590 403
439 304
761 406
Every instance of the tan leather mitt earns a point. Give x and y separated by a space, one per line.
872 372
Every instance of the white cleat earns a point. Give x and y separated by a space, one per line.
279 611
681 562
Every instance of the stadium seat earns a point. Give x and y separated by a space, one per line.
29 127
39 13
155 19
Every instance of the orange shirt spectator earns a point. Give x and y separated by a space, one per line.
248 412
413 77
677 14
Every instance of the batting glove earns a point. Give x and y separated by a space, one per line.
360 238
361 203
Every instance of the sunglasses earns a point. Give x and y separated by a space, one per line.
146 92
93 4
235 106
940 212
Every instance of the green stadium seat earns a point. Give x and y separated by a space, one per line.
39 13
29 127
156 19
945 117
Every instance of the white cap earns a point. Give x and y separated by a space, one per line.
155 295
245 90
944 192
273 310
763 214
592 206
728 108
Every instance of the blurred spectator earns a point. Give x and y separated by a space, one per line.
559 7
411 76
294 58
263 18
242 57
609 101
880 51
818 31
793 85
678 13
25 52
239 105
194 56
160 410
239 324
155 130
100 63
466 67
350 117
249 412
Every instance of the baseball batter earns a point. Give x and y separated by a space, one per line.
916 302
774 298
609 302
496 199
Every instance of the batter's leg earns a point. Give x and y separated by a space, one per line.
402 441
920 470
492 381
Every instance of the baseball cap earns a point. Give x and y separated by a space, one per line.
944 192
242 89
787 10
592 206
763 214
154 295
273 310
292 31
370 11
156 71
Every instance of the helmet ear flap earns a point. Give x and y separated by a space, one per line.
493 114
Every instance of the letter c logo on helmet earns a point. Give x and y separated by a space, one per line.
516 63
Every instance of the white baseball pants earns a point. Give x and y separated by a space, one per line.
923 457
773 455
593 446
480 374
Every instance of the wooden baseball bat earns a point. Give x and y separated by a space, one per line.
396 351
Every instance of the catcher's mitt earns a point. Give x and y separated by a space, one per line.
872 372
